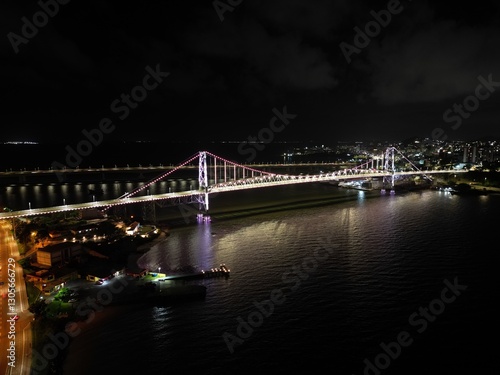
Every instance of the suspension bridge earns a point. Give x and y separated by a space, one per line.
218 175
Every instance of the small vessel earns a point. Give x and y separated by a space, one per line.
466 189
473 192
364 186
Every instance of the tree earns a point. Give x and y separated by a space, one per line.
24 262
38 308
108 228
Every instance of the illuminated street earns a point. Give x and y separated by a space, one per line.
22 362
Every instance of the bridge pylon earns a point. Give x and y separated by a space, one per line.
203 204
389 166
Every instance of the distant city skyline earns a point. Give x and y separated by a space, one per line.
32 141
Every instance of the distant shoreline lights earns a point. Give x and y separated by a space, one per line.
20 143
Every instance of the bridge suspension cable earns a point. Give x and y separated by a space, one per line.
154 180
158 178
217 174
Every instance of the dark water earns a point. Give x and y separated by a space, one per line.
345 278
20 196
33 190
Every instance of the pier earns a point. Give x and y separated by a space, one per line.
222 271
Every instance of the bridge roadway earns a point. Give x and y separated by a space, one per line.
255 182
138 173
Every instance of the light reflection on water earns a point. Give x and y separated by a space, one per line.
392 255
17 197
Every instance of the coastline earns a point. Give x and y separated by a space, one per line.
145 247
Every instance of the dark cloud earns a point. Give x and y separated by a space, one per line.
316 19
227 76
437 60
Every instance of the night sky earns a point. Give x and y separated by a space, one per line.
218 73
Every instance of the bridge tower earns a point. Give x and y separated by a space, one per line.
389 166
203 183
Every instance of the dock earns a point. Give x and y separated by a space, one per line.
222 271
